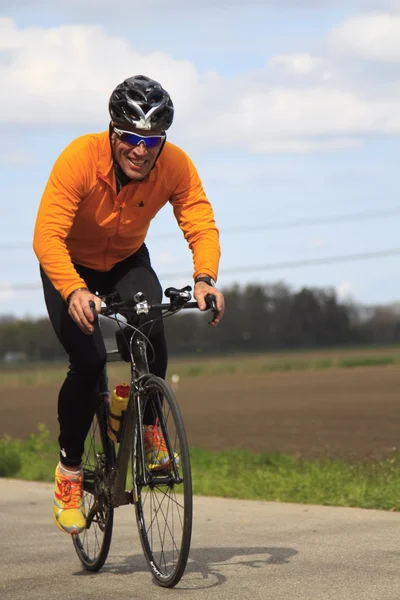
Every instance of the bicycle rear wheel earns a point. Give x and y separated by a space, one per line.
93 544
164 494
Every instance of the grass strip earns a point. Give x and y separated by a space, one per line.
50 374
242 474
283 478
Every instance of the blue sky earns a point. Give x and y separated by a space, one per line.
289 109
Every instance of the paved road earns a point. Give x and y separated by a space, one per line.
241 550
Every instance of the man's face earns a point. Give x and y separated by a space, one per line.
135 161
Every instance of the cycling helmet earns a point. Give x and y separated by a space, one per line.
141 103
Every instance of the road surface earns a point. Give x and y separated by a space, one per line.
240 550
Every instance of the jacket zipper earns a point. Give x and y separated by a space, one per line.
121 206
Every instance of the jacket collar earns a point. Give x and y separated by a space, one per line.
105 162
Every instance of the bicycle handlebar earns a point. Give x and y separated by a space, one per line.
179 299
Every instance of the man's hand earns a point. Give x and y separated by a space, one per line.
201 290
80 310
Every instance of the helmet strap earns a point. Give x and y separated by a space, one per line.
159 152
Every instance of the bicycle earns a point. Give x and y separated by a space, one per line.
162 497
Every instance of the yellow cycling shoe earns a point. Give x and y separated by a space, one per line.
69 511
156 451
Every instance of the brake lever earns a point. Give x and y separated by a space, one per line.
211 303
93 307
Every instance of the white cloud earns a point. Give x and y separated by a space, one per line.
164 258
297 63
317 243
8 292
371 36
17 158
345 291
224 172
295 116
292 146
83 6
64 75
123 8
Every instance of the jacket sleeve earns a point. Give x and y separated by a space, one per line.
195 217
64 190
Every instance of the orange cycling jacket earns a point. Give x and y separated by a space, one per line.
81 218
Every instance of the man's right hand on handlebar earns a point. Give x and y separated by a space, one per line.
80 310
201 290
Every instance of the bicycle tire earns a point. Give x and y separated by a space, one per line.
166 555
93 544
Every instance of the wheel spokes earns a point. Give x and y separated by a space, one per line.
162 509
89 543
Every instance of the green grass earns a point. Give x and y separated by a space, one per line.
242 474
287 365
53 374
33 459
283 478
367 361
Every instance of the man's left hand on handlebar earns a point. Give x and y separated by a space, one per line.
201 290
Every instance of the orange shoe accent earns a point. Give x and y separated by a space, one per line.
155 448
68 511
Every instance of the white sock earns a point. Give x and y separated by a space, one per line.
67 472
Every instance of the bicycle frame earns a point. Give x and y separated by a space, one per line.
139 373
118 476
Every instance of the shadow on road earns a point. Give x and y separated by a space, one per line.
207 567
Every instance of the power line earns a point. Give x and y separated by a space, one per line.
349 217
300 263
250 268
277 225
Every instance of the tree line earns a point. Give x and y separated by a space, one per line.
258 318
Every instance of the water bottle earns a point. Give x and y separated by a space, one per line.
119 401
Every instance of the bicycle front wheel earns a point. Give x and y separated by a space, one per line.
93 544
162 486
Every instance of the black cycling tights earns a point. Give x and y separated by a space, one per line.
87 353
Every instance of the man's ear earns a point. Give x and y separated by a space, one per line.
111 130
113 137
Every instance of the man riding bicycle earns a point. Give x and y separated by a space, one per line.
89 237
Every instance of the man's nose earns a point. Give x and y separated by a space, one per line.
140 149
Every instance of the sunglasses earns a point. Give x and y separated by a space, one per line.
134 139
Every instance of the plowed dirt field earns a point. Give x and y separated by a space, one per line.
341 413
